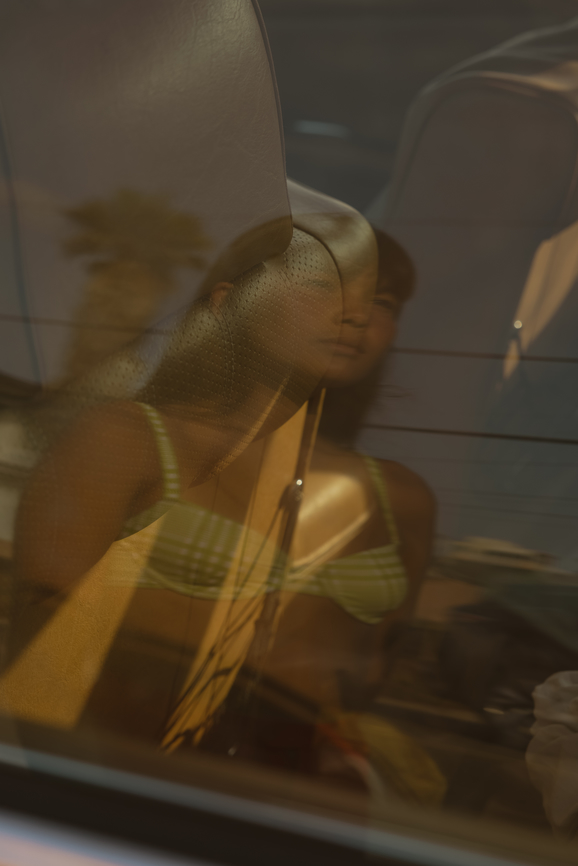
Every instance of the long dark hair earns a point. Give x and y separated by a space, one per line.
345 409
218 359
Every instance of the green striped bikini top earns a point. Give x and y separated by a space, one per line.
194 549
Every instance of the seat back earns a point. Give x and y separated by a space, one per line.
483 197
139 137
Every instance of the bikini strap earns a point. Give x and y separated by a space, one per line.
383 496
169 465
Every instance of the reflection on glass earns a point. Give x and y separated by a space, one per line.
267 523
135 243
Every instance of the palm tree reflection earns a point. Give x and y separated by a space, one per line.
136 242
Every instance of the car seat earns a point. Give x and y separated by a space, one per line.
484 198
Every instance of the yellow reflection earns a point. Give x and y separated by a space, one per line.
134 242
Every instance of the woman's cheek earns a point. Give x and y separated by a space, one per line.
381 332
376 342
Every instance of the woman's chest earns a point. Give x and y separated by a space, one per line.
339 515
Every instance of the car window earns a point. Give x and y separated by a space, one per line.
288 426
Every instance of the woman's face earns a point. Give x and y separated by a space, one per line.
306 307
365 337
287 317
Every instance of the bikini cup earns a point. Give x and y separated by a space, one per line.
195 546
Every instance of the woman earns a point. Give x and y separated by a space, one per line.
361 547
353 506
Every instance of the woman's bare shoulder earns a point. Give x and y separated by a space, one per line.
114 417
114 432
410 495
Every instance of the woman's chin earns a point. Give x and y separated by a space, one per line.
340 373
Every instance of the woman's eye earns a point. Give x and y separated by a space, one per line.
386 303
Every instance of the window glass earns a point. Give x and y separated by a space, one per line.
288 418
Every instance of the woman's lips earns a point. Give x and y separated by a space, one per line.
345 349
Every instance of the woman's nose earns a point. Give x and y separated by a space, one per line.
357 316
358 297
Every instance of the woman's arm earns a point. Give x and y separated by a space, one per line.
414 510
102 470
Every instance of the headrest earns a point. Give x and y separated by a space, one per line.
344 232
494 139
485 172
138 134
